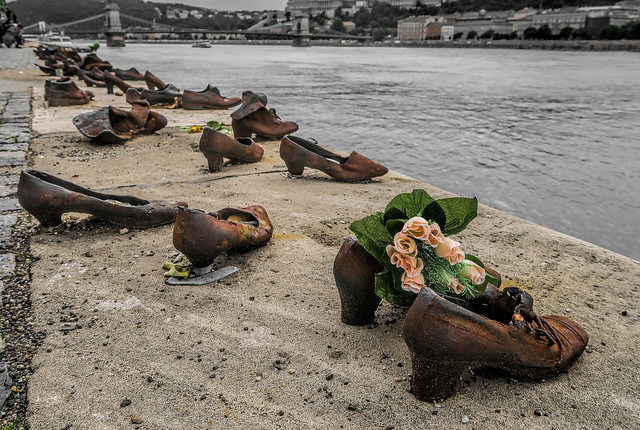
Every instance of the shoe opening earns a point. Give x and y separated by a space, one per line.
317 149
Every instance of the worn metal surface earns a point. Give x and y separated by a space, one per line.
215 146
209 98
204 279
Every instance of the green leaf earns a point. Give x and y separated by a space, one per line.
407 205
434 212
372 234
385 289
459 212
395 225
475 259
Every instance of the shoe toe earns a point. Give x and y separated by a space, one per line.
573 339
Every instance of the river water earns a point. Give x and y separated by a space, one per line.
552 137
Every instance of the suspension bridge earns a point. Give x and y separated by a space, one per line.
118 26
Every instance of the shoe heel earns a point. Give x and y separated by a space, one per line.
354 271
433 380
109 87
215 162
295 169
48 219
239 130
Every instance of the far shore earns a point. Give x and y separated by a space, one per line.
554 45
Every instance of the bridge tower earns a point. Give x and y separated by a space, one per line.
301 33
113 27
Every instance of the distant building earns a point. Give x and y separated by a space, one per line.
349 6
561 18
413 28
349 26
484 21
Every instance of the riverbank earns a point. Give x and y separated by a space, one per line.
554 45
265 348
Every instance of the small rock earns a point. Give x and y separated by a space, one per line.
257 379
136 420
125 231
329 377
465 419
124 403
537 413
624 313
292 371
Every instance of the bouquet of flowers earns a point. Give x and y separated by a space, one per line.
410 238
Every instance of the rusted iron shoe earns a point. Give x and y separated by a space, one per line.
47 197
131 74
47 70
299 153
92 60
109 125
209 98
354 270
167 94
216 146
110 80
64 92
203 236
153 82
445 339
47 85
253 116
90 79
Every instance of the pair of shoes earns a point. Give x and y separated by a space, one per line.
253 116
110 80
64 92
110 125
216 146
299 153
202 236
497 330
47 197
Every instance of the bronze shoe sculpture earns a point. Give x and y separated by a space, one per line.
47 197
90 79
47 70
445 339
202 236
110 80
153 82
92 60
215 146
209 98
253 116
299 153
64 92
47 85
167 94
131 74
110 125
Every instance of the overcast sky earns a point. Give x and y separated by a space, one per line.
232 4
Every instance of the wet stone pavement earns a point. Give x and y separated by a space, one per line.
15 126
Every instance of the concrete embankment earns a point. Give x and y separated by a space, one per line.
265 348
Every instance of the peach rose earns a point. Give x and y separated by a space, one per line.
435 236
412 283
473 272
410 265
417 227
405 245
450 249
453 284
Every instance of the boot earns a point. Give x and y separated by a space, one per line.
46 197
299 153
209 98
354 270
153 82
129 75
215 146
110 80
445 339
167 94
202 236
64 92
253 116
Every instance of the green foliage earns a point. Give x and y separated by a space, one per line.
530 33
611 32
544 32
10 426
337 25
581 34
408 205
457 35
487 34
566 33
472 34
380 33
372 234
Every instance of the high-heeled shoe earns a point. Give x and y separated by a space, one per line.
216 146
110 80
47 197
299 153
153 82
203 236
